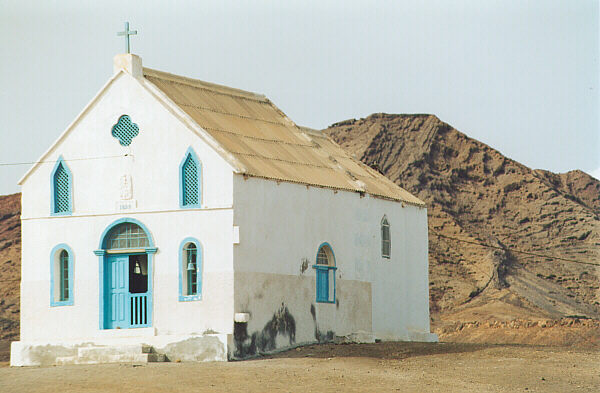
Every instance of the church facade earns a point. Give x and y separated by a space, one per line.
176 219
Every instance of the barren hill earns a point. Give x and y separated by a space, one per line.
10 265
477 195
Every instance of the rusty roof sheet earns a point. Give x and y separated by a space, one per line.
268 144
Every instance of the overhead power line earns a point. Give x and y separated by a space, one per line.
54 161
514 250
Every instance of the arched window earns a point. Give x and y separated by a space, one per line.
190 270
61 276
386 241
125 236
325 270
190 174
61 189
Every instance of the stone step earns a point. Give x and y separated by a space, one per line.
62 360
120 358
125 358
157 357
137 353
102 351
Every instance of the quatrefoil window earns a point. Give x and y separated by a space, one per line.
125 130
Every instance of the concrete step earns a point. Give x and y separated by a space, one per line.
99 351
62 360
137 353
157 357
125 358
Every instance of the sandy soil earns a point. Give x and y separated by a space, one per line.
406 367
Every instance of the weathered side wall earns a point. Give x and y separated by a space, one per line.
281 227
284 313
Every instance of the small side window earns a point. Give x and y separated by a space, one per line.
61 286
386 241
190 270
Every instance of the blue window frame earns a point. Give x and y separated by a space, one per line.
190 180
325 274
61 187
190 270
61 276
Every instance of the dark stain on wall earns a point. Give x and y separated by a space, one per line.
324 337
304 265
319 335
240 338
282 322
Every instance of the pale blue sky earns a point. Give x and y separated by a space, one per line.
521 76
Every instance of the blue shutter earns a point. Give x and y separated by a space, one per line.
190 182
61 190
322 285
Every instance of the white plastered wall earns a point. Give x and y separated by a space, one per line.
153 163
282 224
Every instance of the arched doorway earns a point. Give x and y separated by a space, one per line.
125 257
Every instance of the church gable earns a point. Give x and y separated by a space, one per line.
125 149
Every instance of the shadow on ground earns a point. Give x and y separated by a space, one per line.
387 350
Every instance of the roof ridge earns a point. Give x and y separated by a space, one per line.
313 159
222 89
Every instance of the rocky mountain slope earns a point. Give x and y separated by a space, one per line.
476 195
10 265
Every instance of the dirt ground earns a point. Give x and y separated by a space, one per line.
383 367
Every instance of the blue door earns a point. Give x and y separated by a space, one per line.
116 292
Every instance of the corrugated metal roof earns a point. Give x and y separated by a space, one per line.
269 145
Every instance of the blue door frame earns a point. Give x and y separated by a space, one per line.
135 308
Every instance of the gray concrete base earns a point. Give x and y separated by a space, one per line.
211 347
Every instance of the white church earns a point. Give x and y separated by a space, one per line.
181 220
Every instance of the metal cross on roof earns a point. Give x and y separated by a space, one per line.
127 33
